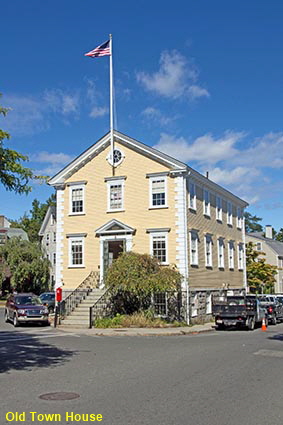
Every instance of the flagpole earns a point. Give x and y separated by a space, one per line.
111 105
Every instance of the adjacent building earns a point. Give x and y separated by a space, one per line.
47 235
137 198
273 250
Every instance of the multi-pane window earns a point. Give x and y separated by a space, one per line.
192 197
239 218
194 248
208 250
218 208
231 254
54 237
158 192
159 247
54 258
206 202
280 262
76 252
116 196
77 200
241 256
229 214
220 246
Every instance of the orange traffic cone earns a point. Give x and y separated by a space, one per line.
263 326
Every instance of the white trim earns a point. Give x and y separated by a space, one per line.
110 157
151 180
59 237
158 235
206 203
70 257
181 208
239 218
194 263
192 196
71 189
229 213
208 238
115 182
220 253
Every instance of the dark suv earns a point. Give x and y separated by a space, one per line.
48 299
24 308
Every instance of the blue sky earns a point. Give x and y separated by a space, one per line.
199 80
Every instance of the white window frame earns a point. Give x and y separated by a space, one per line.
220 253
258 246
206 202
239 218
218 208
208 241
74 239
192 196
151 180
113 183
229 213
71 189
195 233
154 235
231 255
241 256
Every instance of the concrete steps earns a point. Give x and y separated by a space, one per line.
79 317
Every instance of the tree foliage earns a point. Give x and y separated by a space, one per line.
134 277
279 235
260 275
252 223
31 223
29 269
13 175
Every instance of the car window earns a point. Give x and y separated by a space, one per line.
47 297
27 300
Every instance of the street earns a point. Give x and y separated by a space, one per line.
216 378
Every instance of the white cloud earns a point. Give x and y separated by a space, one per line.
175 78
157 116
54 162
98 111
61 102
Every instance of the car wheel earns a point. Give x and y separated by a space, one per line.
251 323
15 321
6 316
51 309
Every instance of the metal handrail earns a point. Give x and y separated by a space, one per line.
75 297
95 305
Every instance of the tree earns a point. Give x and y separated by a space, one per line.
252 223
279 235
134 277
29 269
32 223
13 175
260 275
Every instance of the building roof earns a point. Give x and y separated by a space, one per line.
174 164
275 245
50 211
13 232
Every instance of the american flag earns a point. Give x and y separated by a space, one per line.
102 50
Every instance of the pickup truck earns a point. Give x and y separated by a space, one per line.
238 310
274 308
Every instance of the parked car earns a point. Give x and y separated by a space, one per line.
25 308
273 308
48 299
237 310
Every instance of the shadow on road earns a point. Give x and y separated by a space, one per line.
278 337
22 351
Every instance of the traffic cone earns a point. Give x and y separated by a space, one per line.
263 326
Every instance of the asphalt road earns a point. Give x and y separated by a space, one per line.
217 378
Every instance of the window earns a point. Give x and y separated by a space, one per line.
280 262
229 214
259 246
208 250
54 258
231 255
194 248
158 192
115 195
76 252
47 238
116 158
206 202
54 237
239 218
241 256
220 248
192 197
218 208
159 247
76 199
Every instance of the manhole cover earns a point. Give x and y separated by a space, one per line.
59 396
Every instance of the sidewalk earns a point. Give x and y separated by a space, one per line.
186 330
